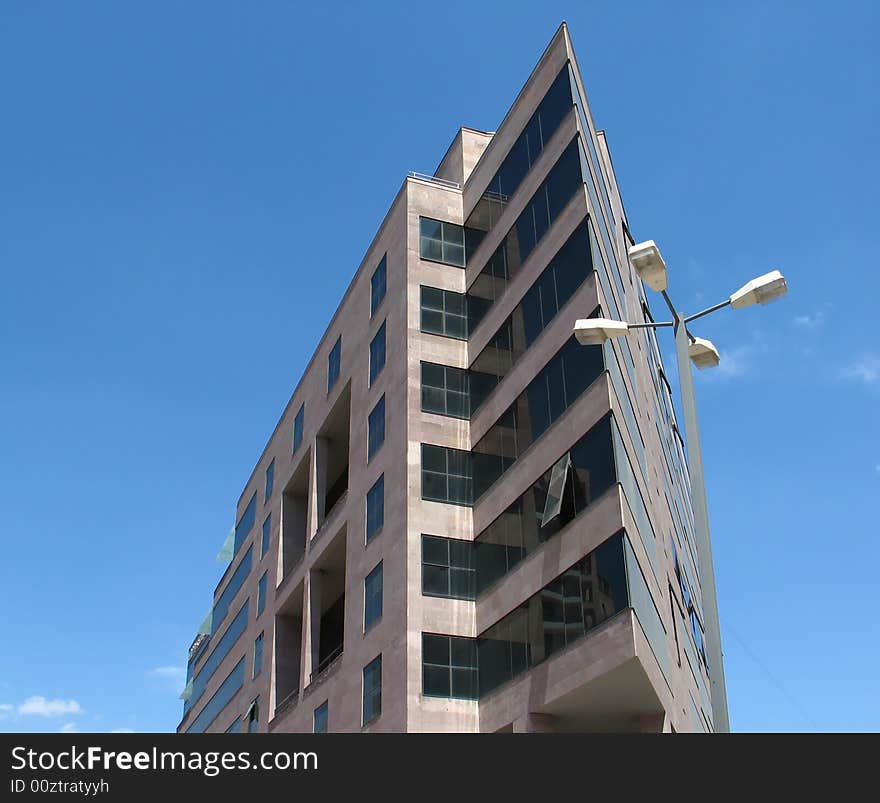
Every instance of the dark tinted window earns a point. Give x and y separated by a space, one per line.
563 492
298 427
377 285
373 597
446 475
449 666
444 312
590 592
375 508
377 353
372 690
440 241
333 363
448 567
376 428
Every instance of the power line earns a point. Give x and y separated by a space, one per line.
771 677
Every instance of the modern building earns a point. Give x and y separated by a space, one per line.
465 521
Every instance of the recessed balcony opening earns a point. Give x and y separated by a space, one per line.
294 518
327 591
332 456
288 651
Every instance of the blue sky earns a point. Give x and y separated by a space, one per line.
186 190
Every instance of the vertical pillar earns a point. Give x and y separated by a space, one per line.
720 720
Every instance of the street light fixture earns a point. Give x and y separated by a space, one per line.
761 290
651 268
703 353
649 265
595 331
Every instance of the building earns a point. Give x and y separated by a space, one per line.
465 521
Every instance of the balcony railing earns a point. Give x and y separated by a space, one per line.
324 667
442 181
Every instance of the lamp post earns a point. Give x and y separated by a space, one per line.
651 268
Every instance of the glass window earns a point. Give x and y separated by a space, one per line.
377 353
372 690
270 480
221 607
258 655
373 597
261 593
440 241
587 594
333 363
220 699
246 522
222 648
298 427
321 716
444 312
376 428
445 390
524 152
555 388
252 716
449 666
536 218
446 475
267 535
375 508
377 285
448 568
559 495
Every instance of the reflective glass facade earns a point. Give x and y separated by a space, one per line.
222 648
246 522
591 591
221 607
525 526
220 699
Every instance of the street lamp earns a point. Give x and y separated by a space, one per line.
651 268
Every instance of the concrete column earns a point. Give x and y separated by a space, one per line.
311 627
315 583
319 468
535 723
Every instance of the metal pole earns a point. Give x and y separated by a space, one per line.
701 523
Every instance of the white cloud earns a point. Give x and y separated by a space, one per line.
866 369
4 707
810 321
39 706
68 727
122 730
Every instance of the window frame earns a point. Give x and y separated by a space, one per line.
375 692
375 437
334 364
376 571
375 369
376 298
379 483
